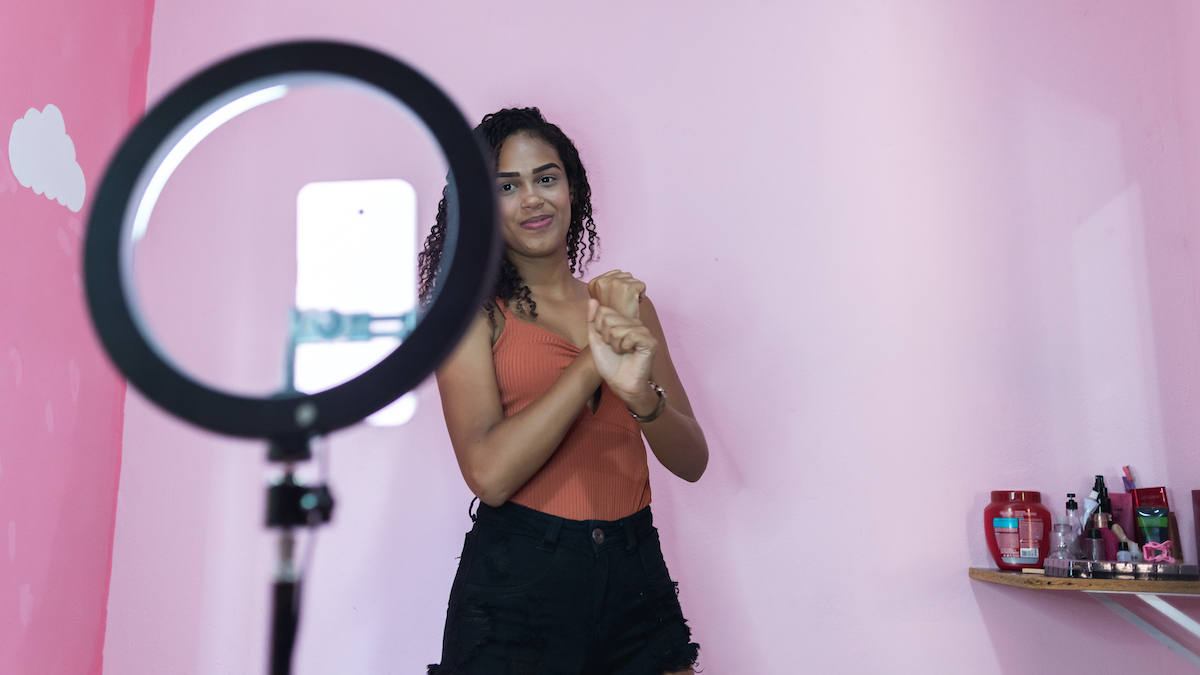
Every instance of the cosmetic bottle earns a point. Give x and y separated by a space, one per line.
1102 517
1123 554
1102 520
1093 545
1092 500
1076 524
1061 538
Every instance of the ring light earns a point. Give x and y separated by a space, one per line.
156 145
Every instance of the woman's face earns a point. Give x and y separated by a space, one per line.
535 200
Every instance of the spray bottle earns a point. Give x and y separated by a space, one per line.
1076 525
1093 500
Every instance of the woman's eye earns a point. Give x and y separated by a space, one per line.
547 179
506 187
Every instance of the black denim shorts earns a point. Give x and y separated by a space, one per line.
536 593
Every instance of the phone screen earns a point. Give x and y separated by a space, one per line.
356 253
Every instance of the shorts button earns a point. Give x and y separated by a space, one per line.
598 535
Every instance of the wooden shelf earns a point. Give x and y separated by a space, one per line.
1039 582
1138 602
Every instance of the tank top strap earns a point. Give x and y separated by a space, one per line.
506 323
503 308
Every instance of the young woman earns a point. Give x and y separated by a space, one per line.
546 400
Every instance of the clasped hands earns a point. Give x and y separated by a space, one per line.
622 346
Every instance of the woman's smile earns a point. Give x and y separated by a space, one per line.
537 222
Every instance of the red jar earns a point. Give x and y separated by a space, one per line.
1017 527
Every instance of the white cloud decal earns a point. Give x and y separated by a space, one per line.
42 156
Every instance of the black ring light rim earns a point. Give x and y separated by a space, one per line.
461 286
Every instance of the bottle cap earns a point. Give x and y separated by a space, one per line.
1094 533
1016 496
1123 546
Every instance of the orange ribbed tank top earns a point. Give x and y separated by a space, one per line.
599 471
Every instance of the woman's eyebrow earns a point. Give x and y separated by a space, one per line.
515 174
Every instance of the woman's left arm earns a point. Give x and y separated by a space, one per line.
675 437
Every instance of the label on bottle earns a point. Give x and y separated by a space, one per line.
1018 538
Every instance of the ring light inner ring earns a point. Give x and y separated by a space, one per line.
193 130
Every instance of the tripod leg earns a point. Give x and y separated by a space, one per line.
286 610
283 629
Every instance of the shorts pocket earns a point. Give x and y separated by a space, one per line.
654 568
504 561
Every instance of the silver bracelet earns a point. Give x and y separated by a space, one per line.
662 404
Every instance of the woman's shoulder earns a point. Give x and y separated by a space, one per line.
496 317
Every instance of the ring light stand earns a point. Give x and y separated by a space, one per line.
290 420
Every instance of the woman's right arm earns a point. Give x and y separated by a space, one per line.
497 455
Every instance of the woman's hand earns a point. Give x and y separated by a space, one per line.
618 290
626 352
623 352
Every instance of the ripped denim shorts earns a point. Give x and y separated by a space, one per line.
536 593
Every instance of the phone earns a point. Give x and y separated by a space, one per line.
356 253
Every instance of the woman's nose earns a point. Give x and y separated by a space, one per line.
530 197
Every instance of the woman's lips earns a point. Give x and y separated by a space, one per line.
537 223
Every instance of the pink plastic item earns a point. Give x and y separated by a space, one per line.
1163 555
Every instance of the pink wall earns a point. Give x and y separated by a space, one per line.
60 401
906 253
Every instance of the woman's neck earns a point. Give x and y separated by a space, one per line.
548 277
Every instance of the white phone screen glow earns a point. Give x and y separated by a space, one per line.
356 252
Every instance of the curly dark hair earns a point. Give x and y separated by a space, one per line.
582 240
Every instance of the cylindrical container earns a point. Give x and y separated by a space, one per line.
1017 526
1093 545
1123 554
1061 539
